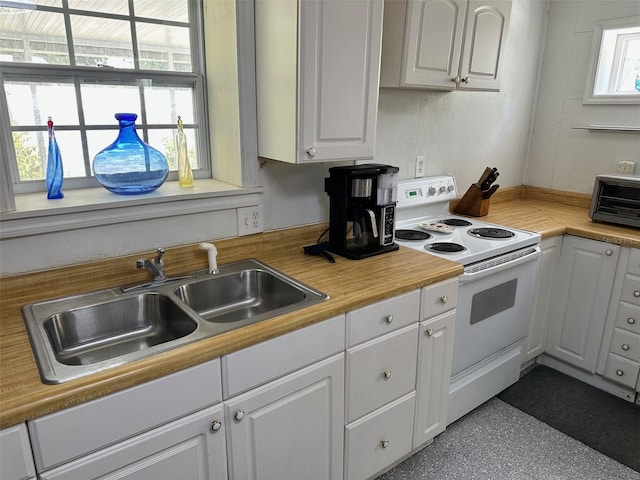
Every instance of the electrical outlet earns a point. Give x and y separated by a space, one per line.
625 167
250 220
420 165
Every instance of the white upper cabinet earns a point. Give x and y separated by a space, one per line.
317 76
444 44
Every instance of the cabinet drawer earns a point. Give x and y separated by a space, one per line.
16 462
261 363
378 440
622 370
381 370
107 420
626 345
628 317
633 264
382 317
438 298
631 289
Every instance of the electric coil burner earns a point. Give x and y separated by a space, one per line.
456 222
412 235
491 232
445 247
494 292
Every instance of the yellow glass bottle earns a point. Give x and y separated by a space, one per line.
185 175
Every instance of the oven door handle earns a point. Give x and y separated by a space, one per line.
489 267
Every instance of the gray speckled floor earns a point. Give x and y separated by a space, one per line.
499 442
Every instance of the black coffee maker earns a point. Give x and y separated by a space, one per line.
362 209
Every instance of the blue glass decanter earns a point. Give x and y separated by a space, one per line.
130 166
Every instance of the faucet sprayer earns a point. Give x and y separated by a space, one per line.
212 253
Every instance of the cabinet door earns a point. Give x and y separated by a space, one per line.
541 306
191 448
486 28
432 42
340 45
434 373
581 298
16 461
290 428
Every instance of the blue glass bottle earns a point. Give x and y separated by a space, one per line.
53 178
130 166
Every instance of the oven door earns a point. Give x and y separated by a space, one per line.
494 299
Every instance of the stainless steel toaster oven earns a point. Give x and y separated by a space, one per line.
616 199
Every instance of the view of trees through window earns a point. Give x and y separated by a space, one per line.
82 61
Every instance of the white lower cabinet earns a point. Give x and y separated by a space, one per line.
379 439
16 460
171 427
192 448
582 291
290 428
541 306
434 373
398 379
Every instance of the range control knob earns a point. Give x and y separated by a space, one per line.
442 189
450 187
432 190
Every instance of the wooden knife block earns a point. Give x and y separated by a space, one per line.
472 203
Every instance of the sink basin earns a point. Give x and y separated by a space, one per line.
75 336
95 333
245 295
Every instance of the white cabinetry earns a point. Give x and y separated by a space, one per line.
623 356
16 461
581 297
381 382
434 360
398 373
192 447
317 76
289 421
444 44
146 432
291 427
541 306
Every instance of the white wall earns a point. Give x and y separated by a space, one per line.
561 157
460 133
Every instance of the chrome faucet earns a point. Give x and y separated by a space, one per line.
155 266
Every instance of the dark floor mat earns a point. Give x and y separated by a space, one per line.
602 421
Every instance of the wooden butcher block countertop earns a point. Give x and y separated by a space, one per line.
350 284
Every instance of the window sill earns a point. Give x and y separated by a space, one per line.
92 207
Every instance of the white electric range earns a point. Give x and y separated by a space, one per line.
494 292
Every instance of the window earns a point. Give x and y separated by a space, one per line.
614 74
80 62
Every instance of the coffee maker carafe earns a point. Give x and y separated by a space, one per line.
362 202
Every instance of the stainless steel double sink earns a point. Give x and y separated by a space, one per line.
79 335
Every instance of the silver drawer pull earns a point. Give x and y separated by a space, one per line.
625 347
216 425
444 299
387 374
608 253
429 332
631 321
636 293
388 318
384 443
619 373
239 415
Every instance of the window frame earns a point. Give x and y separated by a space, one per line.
592 70
78 74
